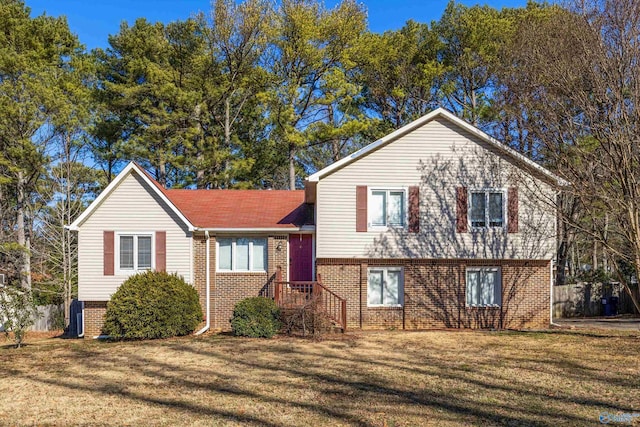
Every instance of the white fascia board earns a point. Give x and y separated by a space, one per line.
419 122
257 230
114 184
373 146
500 146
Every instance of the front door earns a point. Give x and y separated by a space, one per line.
301 257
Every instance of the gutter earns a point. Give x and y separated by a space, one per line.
257 230
207 283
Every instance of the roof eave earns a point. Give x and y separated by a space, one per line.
256 229
75 225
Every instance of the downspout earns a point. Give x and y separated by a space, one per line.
207 282
82 334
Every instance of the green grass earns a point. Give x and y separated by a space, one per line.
364 378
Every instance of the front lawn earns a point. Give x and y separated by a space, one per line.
365 378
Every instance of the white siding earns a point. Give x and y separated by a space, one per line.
439 156
131 207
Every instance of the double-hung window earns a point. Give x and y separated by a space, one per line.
387 208
487 208
385 287
484 287
242 254
135 252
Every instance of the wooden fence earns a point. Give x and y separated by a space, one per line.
585 299
49 318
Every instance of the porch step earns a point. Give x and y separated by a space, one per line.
297 295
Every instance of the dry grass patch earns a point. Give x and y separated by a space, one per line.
377 379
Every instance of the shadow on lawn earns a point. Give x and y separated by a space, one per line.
341 376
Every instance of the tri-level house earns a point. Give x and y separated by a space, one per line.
436 225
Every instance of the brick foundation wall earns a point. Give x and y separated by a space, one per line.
434 294
229 288
277 257
199 269
94 312
232 288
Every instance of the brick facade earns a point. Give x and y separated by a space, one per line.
434 291
226 289
434 294
94 312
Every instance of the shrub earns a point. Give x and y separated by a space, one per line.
17 312
153 305
256 317
307 318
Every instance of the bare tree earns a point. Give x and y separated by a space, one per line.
576 72
70 185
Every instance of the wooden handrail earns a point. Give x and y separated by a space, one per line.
309 283
296 293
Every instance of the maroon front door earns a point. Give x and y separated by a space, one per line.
301 257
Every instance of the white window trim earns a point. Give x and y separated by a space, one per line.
466 284
384 274
405 201
233 255
135 234
486 211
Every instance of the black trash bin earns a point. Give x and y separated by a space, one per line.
606 307
613 302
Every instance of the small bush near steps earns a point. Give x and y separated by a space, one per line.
153 305
256 317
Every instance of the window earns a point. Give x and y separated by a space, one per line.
487 208
135 252
242 254
385 287
484 287
387 208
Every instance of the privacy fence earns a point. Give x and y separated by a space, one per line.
585 299
49 318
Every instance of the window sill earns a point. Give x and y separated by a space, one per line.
130 272
232 272
378 228
388 307
482 307
501 228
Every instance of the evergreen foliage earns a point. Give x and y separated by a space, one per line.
257 94
256 317
153 305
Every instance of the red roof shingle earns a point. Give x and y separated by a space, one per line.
241 208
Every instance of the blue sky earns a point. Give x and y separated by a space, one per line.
94 20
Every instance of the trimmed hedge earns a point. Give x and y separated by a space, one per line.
153 305
256 317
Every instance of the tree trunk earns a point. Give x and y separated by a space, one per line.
561 266
23 235
474 102
1 215
335 143
594 256
67 255
635 302
227 140
162 173
292 167
200 184
336 150
605 264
